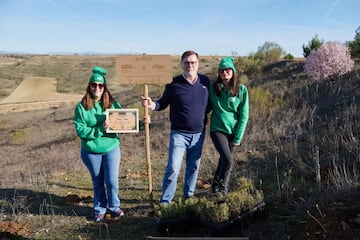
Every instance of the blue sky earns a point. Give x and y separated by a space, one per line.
210 27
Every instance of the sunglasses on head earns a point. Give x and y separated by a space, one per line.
95 85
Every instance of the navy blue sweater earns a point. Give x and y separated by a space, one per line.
187 103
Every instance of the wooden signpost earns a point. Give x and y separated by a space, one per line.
144 69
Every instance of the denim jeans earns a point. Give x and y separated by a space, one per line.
179 144
104 171
223 144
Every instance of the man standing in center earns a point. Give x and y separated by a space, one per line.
187 96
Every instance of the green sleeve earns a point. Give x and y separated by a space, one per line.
243 114
81 127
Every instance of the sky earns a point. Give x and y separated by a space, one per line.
210 27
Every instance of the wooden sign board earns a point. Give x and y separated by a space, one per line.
123 120
143 69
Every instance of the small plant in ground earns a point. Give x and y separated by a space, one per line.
19 136
170 210
331 59
215 209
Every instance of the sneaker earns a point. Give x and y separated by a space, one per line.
165 202
99 217
116 214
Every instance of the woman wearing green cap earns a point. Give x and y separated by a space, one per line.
229 102
100 151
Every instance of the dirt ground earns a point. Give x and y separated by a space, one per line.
36 93
33 93
332 223
37 89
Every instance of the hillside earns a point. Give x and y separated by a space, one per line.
301 148
38 82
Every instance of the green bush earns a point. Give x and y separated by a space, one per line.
264 100
19 136
354 46
288 57
215 209
249 65
314 44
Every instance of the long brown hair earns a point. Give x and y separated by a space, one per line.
88 99
233 84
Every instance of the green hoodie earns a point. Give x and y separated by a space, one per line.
89 127
230 114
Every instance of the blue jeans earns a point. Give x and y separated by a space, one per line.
104 171
179 143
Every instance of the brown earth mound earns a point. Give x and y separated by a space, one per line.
36 93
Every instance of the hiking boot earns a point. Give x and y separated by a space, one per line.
116 214
215 186
99 217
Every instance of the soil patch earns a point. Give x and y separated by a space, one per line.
36 93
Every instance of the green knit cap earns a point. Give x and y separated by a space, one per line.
98 75
227 62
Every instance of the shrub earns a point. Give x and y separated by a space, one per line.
331 59
314 44
215 209
19 136
270 52
354 46
249 65
264 100
288 57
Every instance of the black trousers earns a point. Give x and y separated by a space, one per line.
223 144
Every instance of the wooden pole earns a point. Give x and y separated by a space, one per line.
147 144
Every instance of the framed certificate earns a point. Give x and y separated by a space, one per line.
123 120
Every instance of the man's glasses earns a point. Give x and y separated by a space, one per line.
192 63
95 85
227 70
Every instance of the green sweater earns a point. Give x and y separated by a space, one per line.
230 114
89 127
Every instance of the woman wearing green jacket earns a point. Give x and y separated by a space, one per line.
100 151
229 102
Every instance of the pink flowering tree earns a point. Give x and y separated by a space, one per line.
331 59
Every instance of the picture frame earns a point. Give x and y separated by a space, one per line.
123 120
